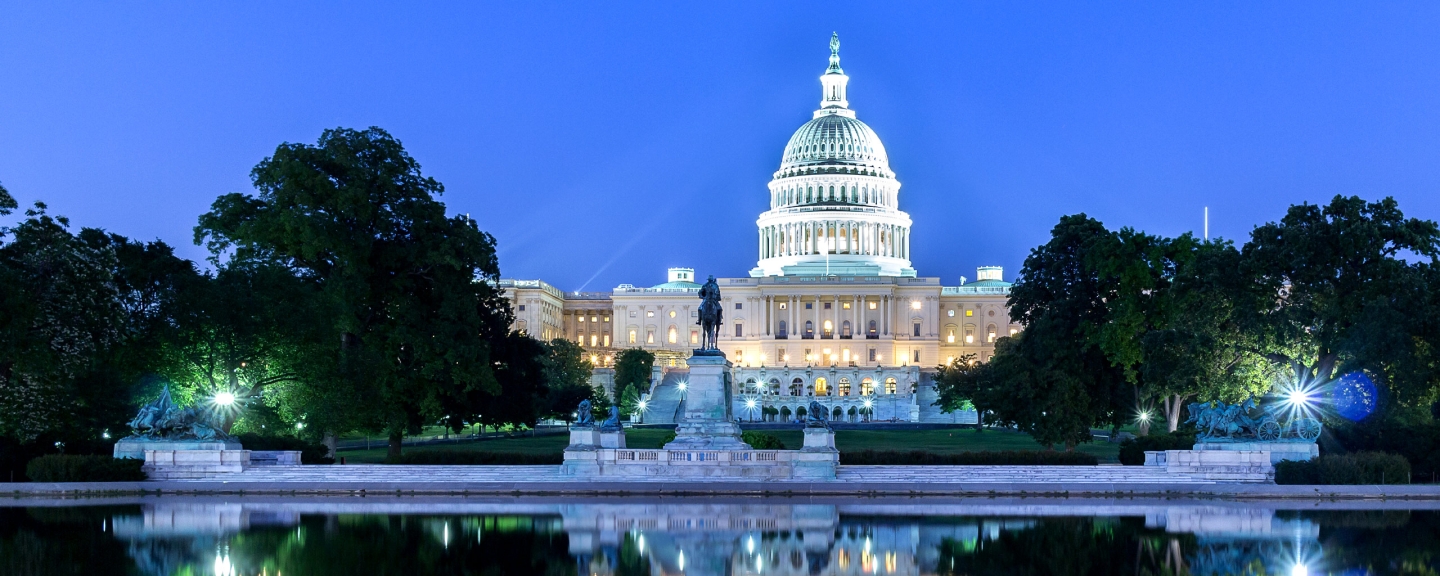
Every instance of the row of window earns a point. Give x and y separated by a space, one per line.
821 387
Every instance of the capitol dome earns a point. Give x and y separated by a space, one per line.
833 139
834 203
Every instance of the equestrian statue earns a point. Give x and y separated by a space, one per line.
711 315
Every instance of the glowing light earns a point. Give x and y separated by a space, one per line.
762 357
225 398
1144 416
299 425
682 386
750 545
750 404
867 403
1300 570
641 405
640 543
785 358
223 567
1354 396
682 560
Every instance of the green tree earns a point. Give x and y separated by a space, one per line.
411 291
1336 295
7 202
632 368
959 383
1063 381
567 379
629 400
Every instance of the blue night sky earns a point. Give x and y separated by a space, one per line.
603 142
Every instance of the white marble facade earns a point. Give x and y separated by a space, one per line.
832 311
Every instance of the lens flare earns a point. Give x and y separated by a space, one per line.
1354 396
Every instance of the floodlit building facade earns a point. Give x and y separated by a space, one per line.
833 310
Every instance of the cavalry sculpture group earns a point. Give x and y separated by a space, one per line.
1247 421
163 420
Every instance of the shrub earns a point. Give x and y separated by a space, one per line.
762 441
1417 443
976 458
73 468
475 458
310 452
1132 451
1357 468
668 438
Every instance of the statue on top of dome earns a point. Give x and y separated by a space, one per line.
834 54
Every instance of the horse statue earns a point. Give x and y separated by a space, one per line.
583 417
163 420
711 315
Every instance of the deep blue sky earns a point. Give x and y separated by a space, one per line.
602 142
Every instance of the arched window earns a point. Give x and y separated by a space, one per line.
797 387
990 332
671 335
845 329
889 385
822 388
781 332
837 413
851 413
774 387
809 329
785 413
800 412
844 386
867 387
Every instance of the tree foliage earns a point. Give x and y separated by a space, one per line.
567 379
633 368
410 291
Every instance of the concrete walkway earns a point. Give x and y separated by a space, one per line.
851 481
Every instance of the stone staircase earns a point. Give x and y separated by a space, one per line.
666 401
929 475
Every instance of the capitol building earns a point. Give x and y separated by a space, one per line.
833 311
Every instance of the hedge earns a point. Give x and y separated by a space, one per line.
976 458
762 441
1418 443
1357 468
1132 450
75 468
474 457
310 452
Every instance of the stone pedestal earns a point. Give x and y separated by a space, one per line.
193 464
133 447
584 439
1215 465
612 439
1300 451
818 457
707 423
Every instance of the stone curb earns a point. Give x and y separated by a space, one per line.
729 488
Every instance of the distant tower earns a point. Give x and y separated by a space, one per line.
834 202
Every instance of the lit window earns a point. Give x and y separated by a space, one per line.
845 356
846 306
969 338
1014 331
694 337
650 314
632 336
649 336
672 313
915 304
632 313
782 305
607 318
969 312
607 341
951 313
594 319
580 319
594 340
889 385
671 336
950 337
990 337
822 388
873 305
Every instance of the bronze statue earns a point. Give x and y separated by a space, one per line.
612 424
583 417
815 416
711 315
163 420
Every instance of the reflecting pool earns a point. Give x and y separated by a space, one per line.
416 535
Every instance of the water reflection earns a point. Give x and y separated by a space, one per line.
913 537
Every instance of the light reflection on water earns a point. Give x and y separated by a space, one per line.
322 536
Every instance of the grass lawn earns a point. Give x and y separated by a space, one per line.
939 441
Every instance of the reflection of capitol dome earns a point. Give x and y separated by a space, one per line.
834 206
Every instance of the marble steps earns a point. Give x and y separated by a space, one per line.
664 403
882 474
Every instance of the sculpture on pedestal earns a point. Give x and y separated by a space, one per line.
583 417
711 315
163 420
612 423
1247 422
815 416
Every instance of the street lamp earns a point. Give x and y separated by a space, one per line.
225 399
